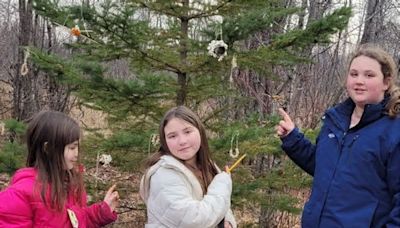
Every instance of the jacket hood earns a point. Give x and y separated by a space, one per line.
22 174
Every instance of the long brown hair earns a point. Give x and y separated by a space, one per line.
204 161
47 135
389 70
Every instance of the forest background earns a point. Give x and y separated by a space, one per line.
133 60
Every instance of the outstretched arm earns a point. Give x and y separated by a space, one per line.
103 213
296 146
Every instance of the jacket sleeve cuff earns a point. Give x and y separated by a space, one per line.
229 217
107 214
291 139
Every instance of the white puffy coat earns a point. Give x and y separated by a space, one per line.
174 197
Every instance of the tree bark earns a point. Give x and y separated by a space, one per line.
23 95
373 21
33 90
182 75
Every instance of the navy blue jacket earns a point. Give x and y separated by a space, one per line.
356 171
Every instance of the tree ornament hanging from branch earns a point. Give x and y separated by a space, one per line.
217 49
75 31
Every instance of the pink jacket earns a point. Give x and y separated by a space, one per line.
19 207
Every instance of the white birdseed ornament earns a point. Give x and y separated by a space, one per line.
105 159
217 49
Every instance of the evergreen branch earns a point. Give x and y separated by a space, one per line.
169 67
173 13
211 12
216 112
317 32
160 10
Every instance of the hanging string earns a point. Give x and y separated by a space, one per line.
220 31
24 67
237 145
83 21
65 21
153 141
218 34
234 153
233 69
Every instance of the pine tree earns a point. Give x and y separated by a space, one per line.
166 44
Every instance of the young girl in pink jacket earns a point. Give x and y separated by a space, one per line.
49 192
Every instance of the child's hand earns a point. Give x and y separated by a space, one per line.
227 224
226 169
112 197
286 125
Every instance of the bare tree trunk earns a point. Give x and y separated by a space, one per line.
373 21
317 9
23 93
31 90
182 76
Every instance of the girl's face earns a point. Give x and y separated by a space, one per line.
71 152
183 140
365 81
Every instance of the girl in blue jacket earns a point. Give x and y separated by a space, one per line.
356 159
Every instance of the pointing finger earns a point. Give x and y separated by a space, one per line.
284 115
111 190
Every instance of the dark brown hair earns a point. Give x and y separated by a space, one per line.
389 71
47 135
204 161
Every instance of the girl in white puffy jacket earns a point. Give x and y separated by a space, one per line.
182 187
